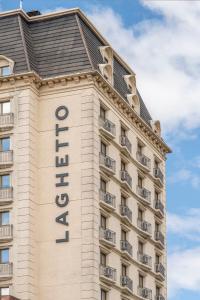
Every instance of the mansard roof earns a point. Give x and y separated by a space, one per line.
58 44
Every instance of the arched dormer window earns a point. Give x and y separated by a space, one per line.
6 66
134 102
106 68
156 127
131 83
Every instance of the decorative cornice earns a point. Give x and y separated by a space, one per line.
98 80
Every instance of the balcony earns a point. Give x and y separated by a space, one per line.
145 260
144 293
108 164
159 207
144 227
126 248
158 175
126 145
127 283
108 273
159 297
126 213
126 179
107 128
144 161
107 200
6 121
108 237
6 232
6 158
160 270
160 239
6 195
144 194
5 271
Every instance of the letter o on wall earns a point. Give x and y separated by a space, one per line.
62 112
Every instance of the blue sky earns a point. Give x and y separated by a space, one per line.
161 41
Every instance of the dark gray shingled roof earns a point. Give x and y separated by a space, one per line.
57 45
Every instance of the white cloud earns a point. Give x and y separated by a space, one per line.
187 226
183 271
185 176
165 55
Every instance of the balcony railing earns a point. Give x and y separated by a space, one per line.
144 226
158 174
108 199
143 160
125 177
126 212
145 293
159 297
159 206
108 163
127 247
127 282
6 195
6 157
6 121
125 143
6 232
108 272
108 235
145 259
160 269
5 270
144 194
159 237
108 126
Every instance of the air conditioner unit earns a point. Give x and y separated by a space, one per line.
145 293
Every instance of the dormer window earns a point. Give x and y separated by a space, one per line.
156 127
107 67
6 66
132 96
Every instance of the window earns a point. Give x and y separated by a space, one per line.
157 227
4 256
103 259
123 201
5 144
4 291
123 166
103 295
157 259
141 281
140 181
140 247
139 148
140 214
5 107
156 164
158 290
157 196
103 148
124 270
102 113
123 131
5 181
103 185
5 71
123 235
103 222
4 218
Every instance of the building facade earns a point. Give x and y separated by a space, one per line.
82 167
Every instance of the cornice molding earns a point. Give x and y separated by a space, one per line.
97 79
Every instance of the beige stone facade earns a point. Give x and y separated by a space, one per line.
86 196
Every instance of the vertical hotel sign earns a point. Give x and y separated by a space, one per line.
61 176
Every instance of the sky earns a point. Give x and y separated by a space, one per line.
161 41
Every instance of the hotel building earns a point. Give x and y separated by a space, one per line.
82 167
